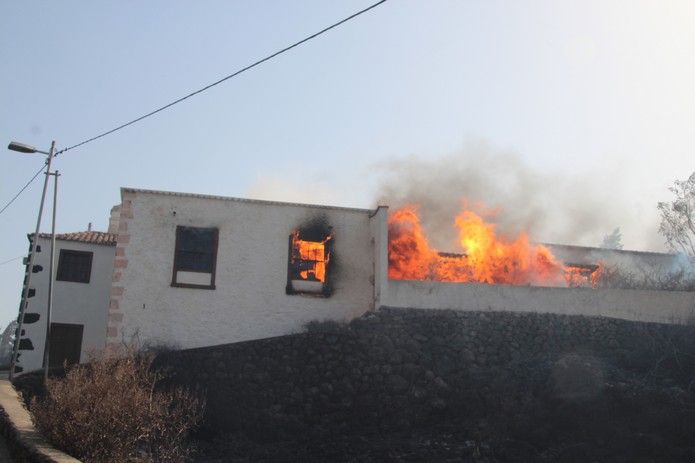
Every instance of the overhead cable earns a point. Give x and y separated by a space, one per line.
217 82
20 191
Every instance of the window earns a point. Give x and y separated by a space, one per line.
74 266
195 257
65 344
308 265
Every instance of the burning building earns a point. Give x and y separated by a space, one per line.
191 270
195 270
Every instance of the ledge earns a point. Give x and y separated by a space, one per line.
25 443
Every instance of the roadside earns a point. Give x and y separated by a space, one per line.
17 422
4 451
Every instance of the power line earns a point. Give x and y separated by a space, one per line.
23 188
179 100
11 260
244 69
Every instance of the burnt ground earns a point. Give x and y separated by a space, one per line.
608 416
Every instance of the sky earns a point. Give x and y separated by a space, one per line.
597 94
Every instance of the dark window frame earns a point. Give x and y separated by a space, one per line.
177 259
61 273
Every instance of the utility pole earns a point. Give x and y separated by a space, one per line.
47 345
25 293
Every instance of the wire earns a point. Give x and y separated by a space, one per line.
201 90
244 69
10 260
23 188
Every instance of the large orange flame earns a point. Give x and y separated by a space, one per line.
486 257
311 256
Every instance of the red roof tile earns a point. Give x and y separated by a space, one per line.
92 237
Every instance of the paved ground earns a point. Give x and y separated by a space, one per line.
4 453
18 414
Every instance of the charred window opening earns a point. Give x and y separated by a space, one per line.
195 257
582 275
310 260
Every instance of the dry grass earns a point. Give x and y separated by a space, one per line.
112 410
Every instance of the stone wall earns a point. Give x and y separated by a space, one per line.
403 368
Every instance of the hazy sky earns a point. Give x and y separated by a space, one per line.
600 93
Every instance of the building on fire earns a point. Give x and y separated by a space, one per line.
190 270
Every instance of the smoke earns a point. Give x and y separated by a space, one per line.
684 264
556 207
309 189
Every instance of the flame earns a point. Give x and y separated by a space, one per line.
488 258
580 276
311 257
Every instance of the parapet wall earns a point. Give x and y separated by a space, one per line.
674 307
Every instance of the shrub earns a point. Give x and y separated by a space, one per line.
113 409
646 277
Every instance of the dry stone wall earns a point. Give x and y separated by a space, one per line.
403 368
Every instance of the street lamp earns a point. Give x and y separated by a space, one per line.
24 148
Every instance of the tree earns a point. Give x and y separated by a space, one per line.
613 240
678 217
6 341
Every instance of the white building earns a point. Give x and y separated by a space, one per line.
194 270
82 284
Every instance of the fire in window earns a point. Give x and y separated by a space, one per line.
309 261
583 275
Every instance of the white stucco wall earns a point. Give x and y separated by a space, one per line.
249 301
76 303
379 225
648 306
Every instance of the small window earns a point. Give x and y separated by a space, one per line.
74 266
309 262
195 257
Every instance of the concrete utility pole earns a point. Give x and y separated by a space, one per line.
22 148
51 276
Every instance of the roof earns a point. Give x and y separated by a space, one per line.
245 200
587 249
91 237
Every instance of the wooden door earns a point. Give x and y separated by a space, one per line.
65 345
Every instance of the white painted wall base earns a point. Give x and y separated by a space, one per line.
676 307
